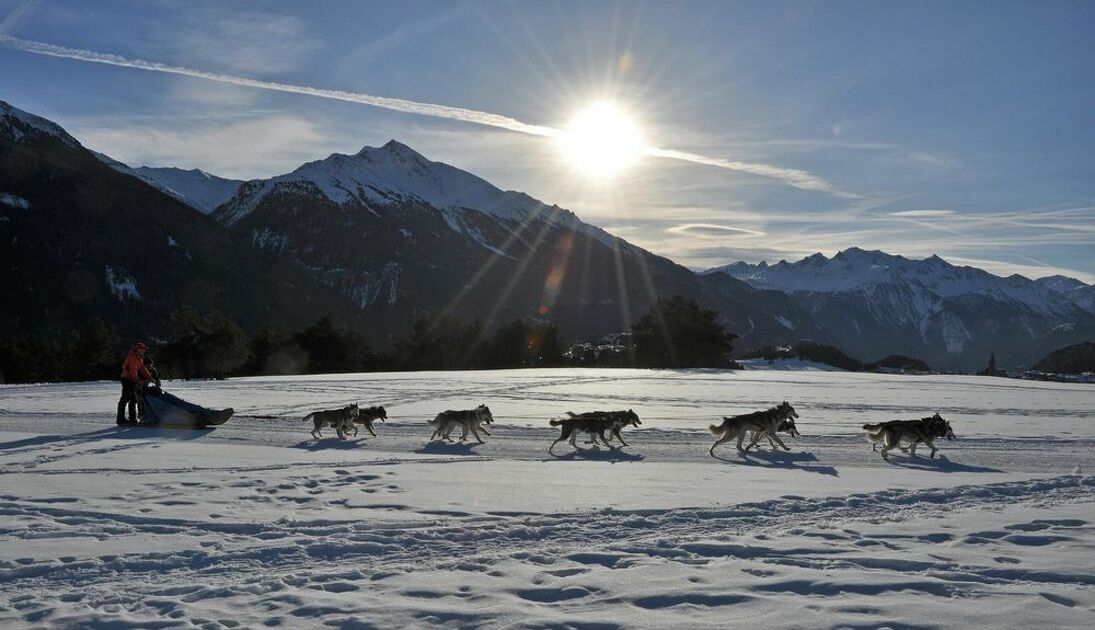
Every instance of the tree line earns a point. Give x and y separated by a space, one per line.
675 333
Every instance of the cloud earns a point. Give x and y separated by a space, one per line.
922 214
792 177
710 230
239 41
16 17
243 149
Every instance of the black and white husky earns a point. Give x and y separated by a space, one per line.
468 420
761 423
891 434
366 417
342 420
596 424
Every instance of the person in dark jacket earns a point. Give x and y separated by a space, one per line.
133 372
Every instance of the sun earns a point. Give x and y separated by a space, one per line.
601 141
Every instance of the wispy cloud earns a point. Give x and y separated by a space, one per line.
917 214
711 230
792 177
243 149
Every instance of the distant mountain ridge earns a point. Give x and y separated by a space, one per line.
196 188
385 236
935 310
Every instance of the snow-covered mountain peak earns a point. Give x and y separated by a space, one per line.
19 124
393 149
855 269
394 174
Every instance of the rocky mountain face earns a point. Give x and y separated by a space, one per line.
951 316
81 240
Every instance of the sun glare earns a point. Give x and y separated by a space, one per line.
601 141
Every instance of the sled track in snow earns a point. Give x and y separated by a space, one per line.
245 555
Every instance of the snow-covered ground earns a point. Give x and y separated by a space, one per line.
256 524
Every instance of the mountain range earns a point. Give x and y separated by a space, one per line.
384 236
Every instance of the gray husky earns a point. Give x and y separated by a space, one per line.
762 423
891 434
342 420
366 417
468 420
788 427
596 424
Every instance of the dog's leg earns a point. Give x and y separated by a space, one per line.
726 437
931 445
476 434
912 449
370 428
484 430
756 439
619 437
779 441
886 446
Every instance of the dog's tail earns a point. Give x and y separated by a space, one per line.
307 417
877 436
717 429
872 428
555 421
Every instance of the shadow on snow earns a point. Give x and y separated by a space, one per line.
939 464
792 460
597 454
441 447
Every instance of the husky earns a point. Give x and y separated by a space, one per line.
342 420
891 434
468 420
366 417
596 424
788 427
761 423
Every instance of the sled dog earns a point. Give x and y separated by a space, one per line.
342 420
365 417
891 434
788 427
596 424
468 420
762 423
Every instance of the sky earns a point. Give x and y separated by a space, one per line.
963 129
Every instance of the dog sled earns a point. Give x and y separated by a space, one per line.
162 409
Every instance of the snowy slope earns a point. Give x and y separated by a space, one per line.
257 524
196 188
19 124
1083 295
395 174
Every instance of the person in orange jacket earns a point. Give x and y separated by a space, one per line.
133 372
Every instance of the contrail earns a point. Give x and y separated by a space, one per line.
792 177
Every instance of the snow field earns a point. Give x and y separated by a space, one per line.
255 524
